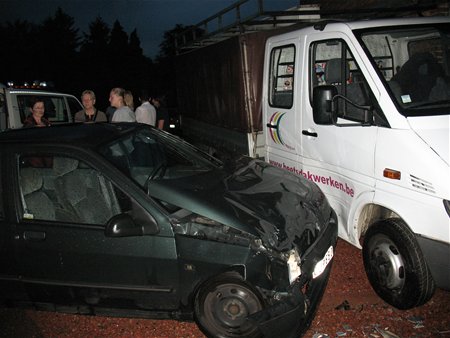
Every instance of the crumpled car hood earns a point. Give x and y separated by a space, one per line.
252 196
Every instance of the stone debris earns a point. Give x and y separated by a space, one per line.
345 305
385 333
347 328
417 321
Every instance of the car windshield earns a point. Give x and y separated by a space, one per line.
413 62
148 154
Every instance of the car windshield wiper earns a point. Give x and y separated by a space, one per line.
428 104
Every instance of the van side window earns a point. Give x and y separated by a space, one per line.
281 86
55 107
333 64
74 106
3 120
2 207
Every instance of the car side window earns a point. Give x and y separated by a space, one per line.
66 189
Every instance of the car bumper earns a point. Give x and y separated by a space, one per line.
293 316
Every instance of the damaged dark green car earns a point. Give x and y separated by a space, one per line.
125 220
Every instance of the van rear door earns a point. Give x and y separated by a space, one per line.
281 91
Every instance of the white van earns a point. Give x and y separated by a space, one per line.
362 109
15 106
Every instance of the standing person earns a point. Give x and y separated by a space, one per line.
145 113
162 114
110 112
36 119
129 101
90 113
123 113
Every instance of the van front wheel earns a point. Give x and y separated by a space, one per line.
395 265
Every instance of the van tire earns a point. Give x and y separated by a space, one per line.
395 265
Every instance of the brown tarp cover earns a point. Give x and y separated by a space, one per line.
211 87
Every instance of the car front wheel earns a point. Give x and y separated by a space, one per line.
395 265
222 306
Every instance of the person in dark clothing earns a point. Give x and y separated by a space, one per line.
162 114
90 113
36 119
418 76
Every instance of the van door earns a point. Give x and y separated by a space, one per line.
339 157
281 90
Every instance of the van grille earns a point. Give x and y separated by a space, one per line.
421 184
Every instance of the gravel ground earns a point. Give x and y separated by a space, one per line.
349 308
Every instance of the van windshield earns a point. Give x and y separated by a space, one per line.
413 62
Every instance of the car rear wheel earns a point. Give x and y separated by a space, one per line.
222 306
395 265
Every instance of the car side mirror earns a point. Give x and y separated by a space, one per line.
324 111
123 225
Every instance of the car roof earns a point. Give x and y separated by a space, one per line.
87 135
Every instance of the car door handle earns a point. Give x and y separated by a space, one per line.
268 125
309 133
35 236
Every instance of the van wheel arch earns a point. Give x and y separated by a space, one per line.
395 265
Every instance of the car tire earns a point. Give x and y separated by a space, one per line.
222 306
395 265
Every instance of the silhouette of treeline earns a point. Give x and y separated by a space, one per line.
100 59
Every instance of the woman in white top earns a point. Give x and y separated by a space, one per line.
123 113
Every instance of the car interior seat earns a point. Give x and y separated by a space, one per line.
37 203
79 189
333 72
355 91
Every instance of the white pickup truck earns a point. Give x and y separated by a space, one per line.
15 106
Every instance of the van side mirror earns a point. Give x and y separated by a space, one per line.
324 111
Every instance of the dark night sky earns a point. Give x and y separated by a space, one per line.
151 18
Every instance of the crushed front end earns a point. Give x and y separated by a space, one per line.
290 311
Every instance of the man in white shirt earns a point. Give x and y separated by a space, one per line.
145 113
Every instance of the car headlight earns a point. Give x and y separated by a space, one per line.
294 265
323 263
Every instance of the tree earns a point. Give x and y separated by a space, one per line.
96 63
98 38
59 42
166 60
22 42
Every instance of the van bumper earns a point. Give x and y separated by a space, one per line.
437 256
